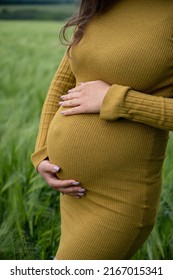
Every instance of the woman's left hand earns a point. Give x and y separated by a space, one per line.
85 98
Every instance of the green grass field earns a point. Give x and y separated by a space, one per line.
29 210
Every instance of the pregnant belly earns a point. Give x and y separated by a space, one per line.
86 147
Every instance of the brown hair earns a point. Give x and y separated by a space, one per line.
87 10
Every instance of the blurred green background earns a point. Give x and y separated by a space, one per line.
37 10
30 53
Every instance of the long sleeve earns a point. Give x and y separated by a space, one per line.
123 102
61 83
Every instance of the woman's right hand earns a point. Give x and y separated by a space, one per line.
69 187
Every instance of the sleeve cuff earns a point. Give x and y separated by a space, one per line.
39 156
112 106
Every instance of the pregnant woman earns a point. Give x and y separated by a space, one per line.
105 125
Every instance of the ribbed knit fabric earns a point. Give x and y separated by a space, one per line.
117 155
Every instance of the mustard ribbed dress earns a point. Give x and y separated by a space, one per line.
118 154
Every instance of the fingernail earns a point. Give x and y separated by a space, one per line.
62 97
75 183
56 168
60 103
62 112
81 190
81 194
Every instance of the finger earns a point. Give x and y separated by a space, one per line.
55 168
71 190
70 103
77 88
59 184
70 96
76 194
73 111
49 167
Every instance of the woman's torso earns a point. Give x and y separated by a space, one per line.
131 46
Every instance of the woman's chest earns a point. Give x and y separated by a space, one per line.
127 52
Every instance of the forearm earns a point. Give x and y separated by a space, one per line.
61 83
123 102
